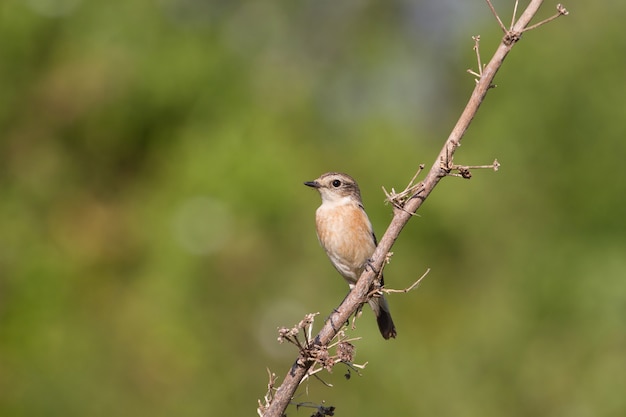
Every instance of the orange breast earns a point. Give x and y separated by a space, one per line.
345 232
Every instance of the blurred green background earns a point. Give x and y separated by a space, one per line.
154 229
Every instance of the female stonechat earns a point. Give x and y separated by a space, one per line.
346 234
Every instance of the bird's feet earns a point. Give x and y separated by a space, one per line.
369 264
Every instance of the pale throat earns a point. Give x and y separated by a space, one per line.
334 200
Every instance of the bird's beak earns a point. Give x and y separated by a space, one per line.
313 184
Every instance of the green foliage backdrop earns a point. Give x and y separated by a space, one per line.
154 229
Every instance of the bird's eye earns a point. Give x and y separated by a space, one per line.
336 183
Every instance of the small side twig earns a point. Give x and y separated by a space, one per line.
560 11
291 335
511 35
269 396
409 288
399 199
481 66
493 10
514 16
463 171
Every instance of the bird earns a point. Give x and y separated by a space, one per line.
345 232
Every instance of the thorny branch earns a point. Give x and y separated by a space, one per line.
405 204
319 356
314 356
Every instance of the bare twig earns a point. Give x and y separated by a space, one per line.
493 10
463 171
411 190
481 66
406 204
560 11
514 34
514 15
269 396
411 287
476 49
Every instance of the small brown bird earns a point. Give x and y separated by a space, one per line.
346 234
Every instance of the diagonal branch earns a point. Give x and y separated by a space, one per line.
402 214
